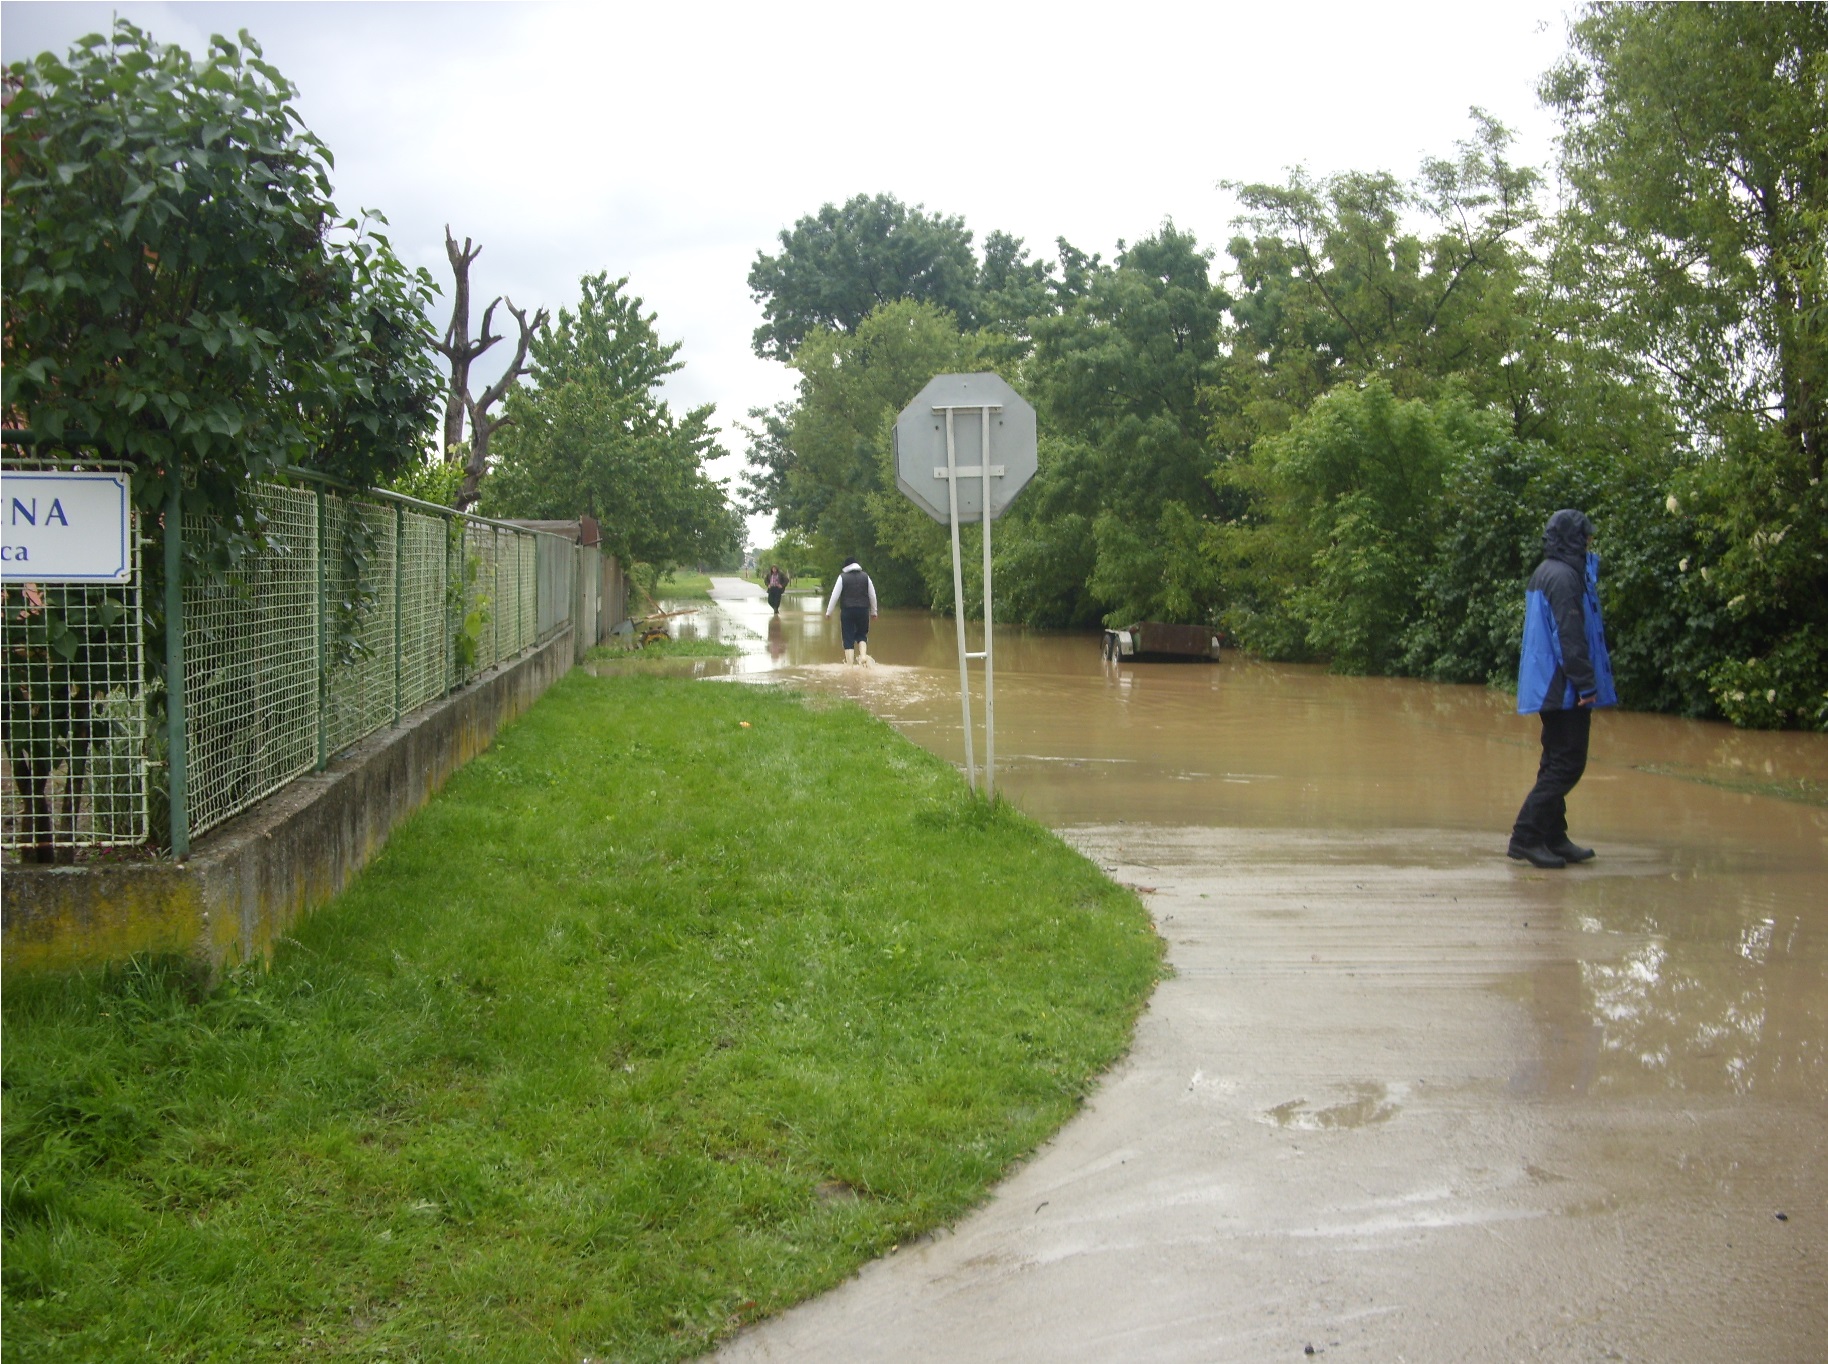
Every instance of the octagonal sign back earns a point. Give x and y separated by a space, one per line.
970 400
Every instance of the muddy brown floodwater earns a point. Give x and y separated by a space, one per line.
1402 1099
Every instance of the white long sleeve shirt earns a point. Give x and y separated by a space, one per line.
838 586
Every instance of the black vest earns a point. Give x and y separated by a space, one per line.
856 588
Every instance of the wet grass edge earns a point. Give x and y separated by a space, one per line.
1797 790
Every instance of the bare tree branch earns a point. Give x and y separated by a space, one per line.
482 425
456 347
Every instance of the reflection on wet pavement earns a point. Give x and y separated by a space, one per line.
1383 1041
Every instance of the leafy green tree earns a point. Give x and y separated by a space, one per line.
840 485
1337 285
1495 497
1694 137
1355 487
810 463
839 265
591 436
1665 631
1014 292
181 295
769 456
1696 145
1118 378
1045 560
180 291
793 552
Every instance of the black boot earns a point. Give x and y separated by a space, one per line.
1568 852
1535 854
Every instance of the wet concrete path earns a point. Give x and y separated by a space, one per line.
1402 1099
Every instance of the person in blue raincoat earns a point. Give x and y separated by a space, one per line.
1563 674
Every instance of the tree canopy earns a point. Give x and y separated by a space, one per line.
1341 439
1362 274
837 266
1697 144
831 449
591 435
180 290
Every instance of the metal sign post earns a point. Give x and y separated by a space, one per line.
929 425
958 593
990 690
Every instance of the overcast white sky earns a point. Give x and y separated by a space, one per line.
670 142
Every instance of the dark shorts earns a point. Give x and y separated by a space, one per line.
856 623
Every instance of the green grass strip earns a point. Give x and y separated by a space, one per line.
651 1024
662 649
684 587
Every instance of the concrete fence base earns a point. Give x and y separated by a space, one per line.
252 878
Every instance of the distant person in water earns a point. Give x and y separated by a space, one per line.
853 597
1564 673
776 584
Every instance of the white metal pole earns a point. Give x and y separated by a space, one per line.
990 702
958 602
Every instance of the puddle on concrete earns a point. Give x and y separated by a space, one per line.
1690 958
1362 1105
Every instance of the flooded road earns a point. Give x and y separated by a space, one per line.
1402 1098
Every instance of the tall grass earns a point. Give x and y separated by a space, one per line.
651 1024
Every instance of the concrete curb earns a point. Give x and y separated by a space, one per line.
251 879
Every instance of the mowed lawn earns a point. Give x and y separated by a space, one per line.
675 1007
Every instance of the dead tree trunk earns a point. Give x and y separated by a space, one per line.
482 425
457 347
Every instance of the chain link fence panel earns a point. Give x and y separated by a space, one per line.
74 766
359 660
353 611
251 643
425 656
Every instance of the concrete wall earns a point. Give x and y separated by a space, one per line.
251 879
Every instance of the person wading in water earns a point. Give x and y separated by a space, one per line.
1563 674
853 596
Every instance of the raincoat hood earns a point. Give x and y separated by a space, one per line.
1565 538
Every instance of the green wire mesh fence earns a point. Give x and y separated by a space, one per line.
356 609
73 756
251 665
365 608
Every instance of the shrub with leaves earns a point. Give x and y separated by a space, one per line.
183 298
181 293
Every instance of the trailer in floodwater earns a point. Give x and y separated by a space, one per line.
1152 642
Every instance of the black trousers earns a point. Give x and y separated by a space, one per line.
774 598
1544 815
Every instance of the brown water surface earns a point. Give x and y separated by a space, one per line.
1703 925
